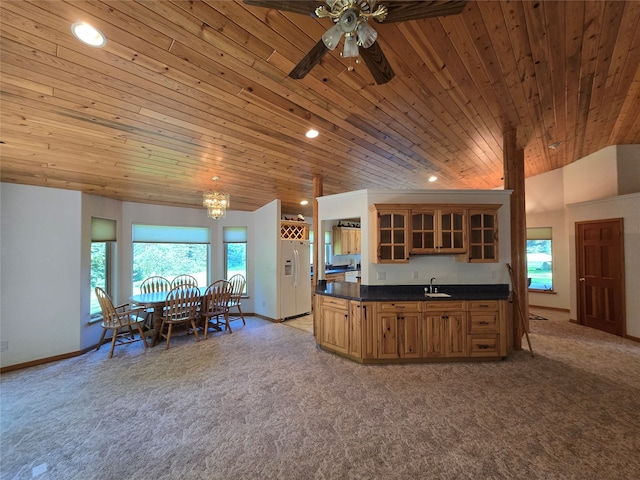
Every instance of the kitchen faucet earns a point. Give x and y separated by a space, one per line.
431 284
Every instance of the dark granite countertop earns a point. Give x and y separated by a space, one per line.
400 293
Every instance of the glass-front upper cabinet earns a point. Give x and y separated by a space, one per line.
483 236
436 230
392 245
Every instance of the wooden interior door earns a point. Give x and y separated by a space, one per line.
600 269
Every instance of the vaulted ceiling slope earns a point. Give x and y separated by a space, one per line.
187 90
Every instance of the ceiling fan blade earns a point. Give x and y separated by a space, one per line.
306 7
399 11
377 63
309 61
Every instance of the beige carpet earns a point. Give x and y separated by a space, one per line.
266 403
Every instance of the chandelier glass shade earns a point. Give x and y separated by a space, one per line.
216 203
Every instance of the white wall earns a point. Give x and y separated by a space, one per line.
265 247
545 207
40 279
628 169
592 177
448 269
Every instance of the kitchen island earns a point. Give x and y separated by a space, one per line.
402 323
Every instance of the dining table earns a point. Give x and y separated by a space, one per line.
156 301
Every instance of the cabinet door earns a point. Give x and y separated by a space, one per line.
355 242
399 335
335 328
367 313
438 231
393 246
410 335
387 335
423 231
355 328
433 336
483 236
445 334
455 334
452 230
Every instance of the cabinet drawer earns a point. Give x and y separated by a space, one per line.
445 306
484 345
335 302
483 323
399 307
491 305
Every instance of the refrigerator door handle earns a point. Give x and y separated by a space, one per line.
296 268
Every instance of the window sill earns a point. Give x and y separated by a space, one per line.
95 320
535 290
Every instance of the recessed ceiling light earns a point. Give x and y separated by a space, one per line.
433 178
88 34
312 133
304 202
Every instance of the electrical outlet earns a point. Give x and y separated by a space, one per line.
414 275
4 346
382 275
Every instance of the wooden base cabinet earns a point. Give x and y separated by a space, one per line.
485 327
399 330
445 330
388 332
334 324
362 340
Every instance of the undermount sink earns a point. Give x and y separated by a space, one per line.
437 295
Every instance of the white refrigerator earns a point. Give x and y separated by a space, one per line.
295 278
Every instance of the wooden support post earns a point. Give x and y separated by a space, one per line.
317 192
514 180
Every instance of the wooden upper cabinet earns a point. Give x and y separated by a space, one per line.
392 230
441 230
483 236
428 229
346 240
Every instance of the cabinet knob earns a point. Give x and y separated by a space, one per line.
484 323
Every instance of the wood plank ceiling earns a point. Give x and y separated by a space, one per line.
187 90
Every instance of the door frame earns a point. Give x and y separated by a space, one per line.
619 295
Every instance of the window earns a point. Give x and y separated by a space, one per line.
235 252
328 248
539 259
103 237
170 251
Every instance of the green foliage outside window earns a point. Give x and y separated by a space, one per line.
539 264
99 262
169 260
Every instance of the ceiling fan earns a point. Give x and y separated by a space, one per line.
351 18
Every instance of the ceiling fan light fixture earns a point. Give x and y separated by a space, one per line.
350 46
331 38
367 35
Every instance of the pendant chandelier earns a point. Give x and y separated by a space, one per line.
216 203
